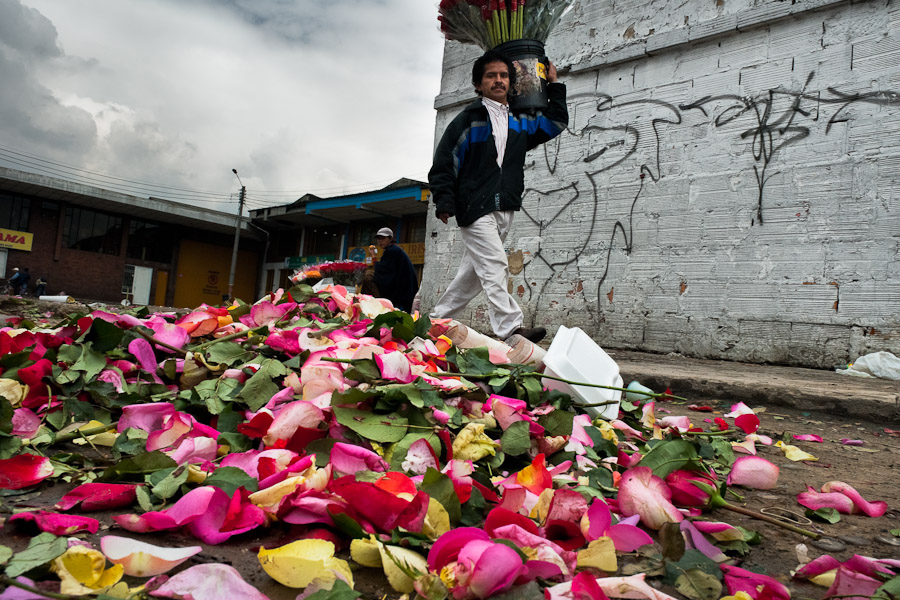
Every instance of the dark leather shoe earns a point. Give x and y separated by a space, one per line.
532 334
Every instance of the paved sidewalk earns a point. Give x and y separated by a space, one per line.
811 390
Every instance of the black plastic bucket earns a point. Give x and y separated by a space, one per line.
530 92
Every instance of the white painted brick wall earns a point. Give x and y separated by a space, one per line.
704 100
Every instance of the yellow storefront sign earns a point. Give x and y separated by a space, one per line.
16 240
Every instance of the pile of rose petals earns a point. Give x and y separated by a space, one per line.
374 441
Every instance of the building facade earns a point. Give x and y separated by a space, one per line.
313 230
98 245
728 186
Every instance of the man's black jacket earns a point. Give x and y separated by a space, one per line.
465 179
396 277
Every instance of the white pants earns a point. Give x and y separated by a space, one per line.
484 267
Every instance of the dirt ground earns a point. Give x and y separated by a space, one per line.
871 468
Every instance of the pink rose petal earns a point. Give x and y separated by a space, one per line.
58 524
141 559
395 366
758 586
99 496
208 582
23 471
350 458
753 472
872 509
809 437
645 494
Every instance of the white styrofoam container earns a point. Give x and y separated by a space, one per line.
576 357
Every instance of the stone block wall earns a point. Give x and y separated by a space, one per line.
728 186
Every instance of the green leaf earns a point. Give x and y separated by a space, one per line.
440 487
516 439
672 541
260 388
138 465
353 395
6 415
322 449
364 371
827 514
132 441
339 591
41 550
423 326
378 428
475 361
104 336
227 353
5 554
692 559
216 393
229 479
601 478
238 442
698 585
9 446
533 388
90 363
558 422
602 446
889 591
668 456
723 450
399 393
895 532
348 525
165 483
401 325
145 501
498 383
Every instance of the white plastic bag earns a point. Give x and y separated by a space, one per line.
883 365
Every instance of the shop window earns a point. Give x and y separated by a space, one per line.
414 229
91 231
148 241
14 212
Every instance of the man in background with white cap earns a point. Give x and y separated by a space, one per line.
395 274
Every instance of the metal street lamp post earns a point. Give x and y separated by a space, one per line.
237 236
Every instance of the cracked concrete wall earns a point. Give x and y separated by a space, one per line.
728 186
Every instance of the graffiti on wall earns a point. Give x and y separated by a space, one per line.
615 139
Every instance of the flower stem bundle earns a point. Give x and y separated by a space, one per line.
489 23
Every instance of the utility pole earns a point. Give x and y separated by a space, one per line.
237 237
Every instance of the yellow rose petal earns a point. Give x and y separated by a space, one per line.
437 521
13 391
271 496
366 553
107 438
398 563
794 453
82 571
471 443
600 554
298 563
825 579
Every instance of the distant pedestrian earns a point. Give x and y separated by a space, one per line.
12 284
40 286
395 274
22 283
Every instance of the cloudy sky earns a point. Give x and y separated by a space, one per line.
165 97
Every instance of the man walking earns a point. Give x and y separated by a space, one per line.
478 177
